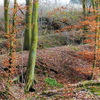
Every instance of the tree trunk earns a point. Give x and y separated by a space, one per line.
97 19
98 26
32 51
96 35
84 17
13 28
84 8
93 3
6 17
27 36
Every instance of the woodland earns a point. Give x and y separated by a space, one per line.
50 51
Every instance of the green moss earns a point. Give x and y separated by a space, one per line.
75 48
1 39
52 82
62 97
94 88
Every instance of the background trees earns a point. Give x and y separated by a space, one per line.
28 19
84 8
6 16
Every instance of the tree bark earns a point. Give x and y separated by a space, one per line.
93 3
33 48
6 17
98 26
27 36
96 34
13 29
84 17
84 8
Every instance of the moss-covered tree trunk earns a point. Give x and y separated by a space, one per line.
98 26
95 46
6 17
33 48
97 19
84 17
14 15
96 33
84 8
13 31
93 3
27 34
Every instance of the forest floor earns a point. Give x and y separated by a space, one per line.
57 71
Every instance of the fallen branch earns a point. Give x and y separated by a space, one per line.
2 94
90 82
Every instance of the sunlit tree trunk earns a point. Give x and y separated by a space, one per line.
32 51
27 36
6 16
